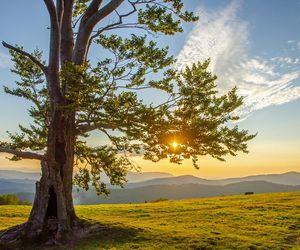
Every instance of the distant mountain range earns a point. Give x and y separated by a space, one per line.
13 174
131 177
289 178
149 186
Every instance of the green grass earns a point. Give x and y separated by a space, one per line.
268 221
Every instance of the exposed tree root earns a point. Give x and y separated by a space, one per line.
12 235
17 237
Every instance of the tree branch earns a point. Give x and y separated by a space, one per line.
85 128
134 88
116 24
67 40
87 25
54 36
60 7
93 8
54 52
31 57
104 12
22 154
168 101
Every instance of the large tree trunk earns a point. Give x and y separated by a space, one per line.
52 219
53 214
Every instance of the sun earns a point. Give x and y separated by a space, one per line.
174 144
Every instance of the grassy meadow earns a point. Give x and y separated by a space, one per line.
264 221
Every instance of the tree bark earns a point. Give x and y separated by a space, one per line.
53 216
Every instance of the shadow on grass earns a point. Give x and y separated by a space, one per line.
89 236
113 236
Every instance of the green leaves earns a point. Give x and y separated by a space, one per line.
135 57
80 7
32 87
100 160
202 117
196 117
165 17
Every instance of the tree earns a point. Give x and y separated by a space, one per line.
9 199
72 96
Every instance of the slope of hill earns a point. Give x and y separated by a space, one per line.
179 191
269 221
25 191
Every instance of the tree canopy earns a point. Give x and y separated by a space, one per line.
104 95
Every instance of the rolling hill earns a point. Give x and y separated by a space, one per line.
178 191
155 185
264 221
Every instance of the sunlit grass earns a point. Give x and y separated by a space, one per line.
269 221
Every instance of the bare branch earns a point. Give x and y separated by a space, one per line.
170 100
122 26
104 12
116 24
134 88
88 127
31 57
112 139
22 154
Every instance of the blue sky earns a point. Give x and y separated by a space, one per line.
252 44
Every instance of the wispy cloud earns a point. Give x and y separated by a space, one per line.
5 61
298 44
223 37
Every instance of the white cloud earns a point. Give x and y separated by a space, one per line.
291 41
5 61
223 37
286 60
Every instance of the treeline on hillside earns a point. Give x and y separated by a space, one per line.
11 199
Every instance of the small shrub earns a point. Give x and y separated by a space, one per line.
160 200
11 199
